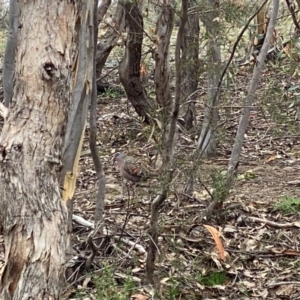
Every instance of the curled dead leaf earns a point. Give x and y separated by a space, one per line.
215 234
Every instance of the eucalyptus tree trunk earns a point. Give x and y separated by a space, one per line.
77 114
110 38
190 66
99 210
257 37
164 27
32 215
129 68
10 49
212 24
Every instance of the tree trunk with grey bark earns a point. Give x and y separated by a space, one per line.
99 210
211 21
77 115
33 215
164 28
110 39
129 68
190 66
10 49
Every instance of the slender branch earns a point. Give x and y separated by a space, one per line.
291 8
99 210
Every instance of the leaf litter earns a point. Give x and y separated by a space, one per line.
259 244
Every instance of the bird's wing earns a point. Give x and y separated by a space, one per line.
133 169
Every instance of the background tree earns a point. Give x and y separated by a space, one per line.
130 65
164 27
109 40
190 66
211 20
163 33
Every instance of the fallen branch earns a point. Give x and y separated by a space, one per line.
271 223
91 225
271 285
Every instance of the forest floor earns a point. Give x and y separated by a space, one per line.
258 224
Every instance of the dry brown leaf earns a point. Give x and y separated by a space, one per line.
143 70
273 157
215 234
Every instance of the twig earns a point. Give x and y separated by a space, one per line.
291 8
89 224
271 285
94 251
270 223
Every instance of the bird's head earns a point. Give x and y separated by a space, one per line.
118 157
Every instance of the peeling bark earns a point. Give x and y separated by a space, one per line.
33 217
9 55
77 115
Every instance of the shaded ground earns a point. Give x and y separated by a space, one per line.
262 259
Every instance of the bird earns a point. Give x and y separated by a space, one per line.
130 168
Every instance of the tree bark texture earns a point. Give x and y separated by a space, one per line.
102 9
190 65
110 39
168 155
10 49
163 32
129 68
33 217
77 115
207 140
